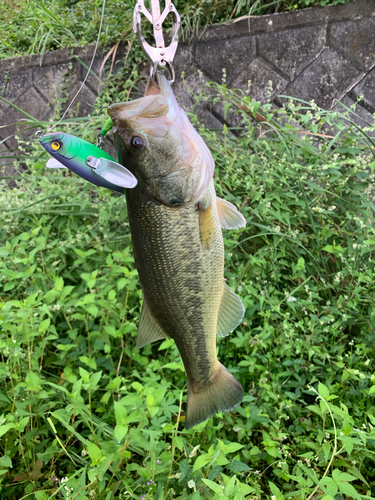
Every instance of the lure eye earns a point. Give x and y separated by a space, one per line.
137 142
55 145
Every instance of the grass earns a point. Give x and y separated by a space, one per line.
30 27
87 415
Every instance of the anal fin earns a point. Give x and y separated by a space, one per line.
149 329
229 216
231 312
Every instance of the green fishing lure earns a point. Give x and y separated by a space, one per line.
87 160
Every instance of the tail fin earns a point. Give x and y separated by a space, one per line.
224 393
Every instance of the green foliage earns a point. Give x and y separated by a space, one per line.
32 27
87 415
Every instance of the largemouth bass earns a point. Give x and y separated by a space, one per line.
175 221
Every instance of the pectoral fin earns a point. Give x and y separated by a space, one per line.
231 312
229 216
149 329
53 163
115 173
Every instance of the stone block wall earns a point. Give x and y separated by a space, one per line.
319 53
325 54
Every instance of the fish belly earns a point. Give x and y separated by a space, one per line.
179 254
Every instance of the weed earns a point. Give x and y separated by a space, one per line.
87 415
31 27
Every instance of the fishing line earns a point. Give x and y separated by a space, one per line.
88 71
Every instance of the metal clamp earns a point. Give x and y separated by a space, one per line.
159 55
39 134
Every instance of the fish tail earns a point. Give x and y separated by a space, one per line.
222 394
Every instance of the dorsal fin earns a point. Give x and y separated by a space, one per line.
149 329
231 312
229 216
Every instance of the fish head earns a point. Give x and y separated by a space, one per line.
61 146
157 143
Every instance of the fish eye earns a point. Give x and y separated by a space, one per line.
137 142
55 145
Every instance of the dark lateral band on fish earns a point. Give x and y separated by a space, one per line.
176 221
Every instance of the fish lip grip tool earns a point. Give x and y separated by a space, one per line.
159 55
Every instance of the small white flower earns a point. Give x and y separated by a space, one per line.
291 299
191 484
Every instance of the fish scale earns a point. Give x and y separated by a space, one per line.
181 282
175 221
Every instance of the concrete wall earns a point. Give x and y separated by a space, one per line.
320 53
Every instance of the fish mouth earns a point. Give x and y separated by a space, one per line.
150 106
155 103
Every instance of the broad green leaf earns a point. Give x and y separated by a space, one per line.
89 362
323 391
59 283
330 484
349 490
230 486
120 432
44 325
213 486
174 366
179 442
5 428
232 447
84 375
22 423
237 466
66 347
33 381
94 380
94 452
5 461
338 475
120 413
93 310
275 491
40 495
201 461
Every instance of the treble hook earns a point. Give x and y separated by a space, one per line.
159 55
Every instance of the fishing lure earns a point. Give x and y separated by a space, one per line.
86 160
